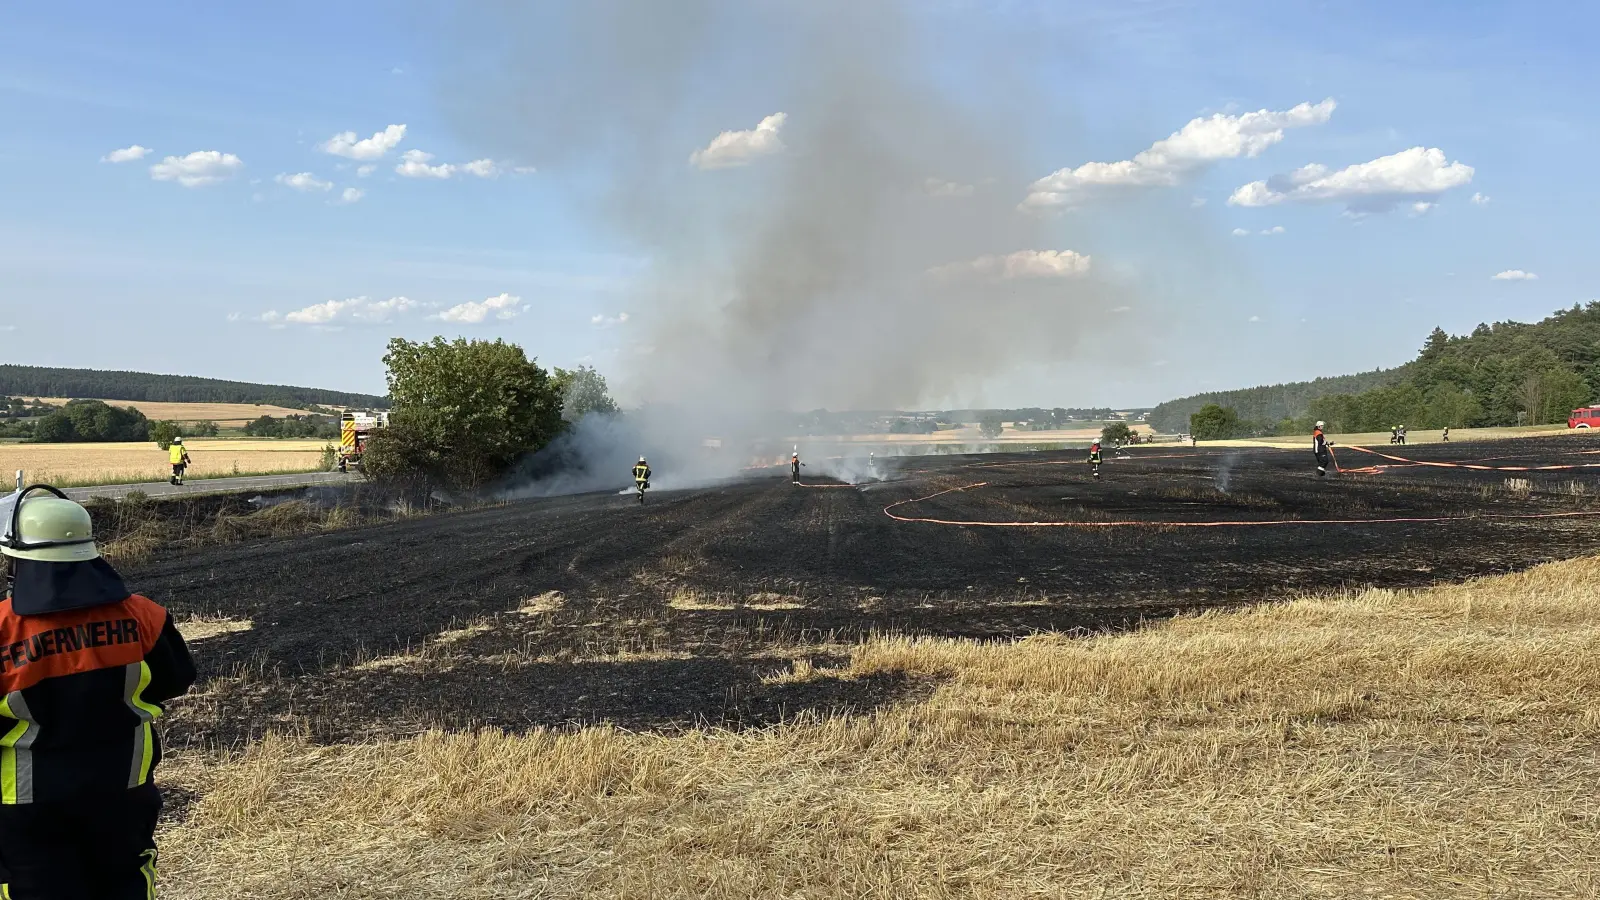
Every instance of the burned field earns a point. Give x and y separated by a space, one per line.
709 606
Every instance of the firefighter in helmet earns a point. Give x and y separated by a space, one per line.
794 466
641 474
85 666
1094 459
179 457
1319 449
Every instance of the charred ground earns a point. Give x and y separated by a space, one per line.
701 605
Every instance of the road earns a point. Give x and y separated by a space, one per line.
211 485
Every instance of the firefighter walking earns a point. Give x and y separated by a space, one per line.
85 666
1094 459
794 466
641 477
1319 449
179 457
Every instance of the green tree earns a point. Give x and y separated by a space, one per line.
92 421
463 412
583 391
990 425
1115 432
1214 423
163 432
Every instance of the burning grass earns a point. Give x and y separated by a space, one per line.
1436 743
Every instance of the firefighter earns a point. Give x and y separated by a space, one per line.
1446 436
794 466
1319 449
179 458
1402 433
1394 435
1094 459
641 477
85 667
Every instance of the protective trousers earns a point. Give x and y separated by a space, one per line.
97 848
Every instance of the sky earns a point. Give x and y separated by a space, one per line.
1276 190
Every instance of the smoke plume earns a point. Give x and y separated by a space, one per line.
827 194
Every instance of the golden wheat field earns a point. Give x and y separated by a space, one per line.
225 414
78 464
1442 743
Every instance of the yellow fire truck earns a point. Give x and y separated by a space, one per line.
354 429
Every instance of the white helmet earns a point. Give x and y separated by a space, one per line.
1321 424
641 459
178 439
47 529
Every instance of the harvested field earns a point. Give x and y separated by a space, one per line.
762 690
121 463
228 415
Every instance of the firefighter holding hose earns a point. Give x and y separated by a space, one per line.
85 666
794 466
1319 449
179 458
1094 459
641 477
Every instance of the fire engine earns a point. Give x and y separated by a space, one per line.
354 429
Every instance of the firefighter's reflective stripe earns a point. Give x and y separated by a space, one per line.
16 751
135 680
347 434
148 870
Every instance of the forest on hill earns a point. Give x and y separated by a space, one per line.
1507 373
39 381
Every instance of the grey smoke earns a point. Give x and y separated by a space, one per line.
866 266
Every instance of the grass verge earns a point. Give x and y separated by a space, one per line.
1438 743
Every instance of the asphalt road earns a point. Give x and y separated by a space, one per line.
194 486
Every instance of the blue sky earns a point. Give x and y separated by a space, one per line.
106 265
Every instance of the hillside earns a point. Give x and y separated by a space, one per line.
38 381
1507 373
1272 403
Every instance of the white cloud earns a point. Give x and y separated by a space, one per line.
345 143
1240 232
364 171
483 168
1514 275
397 71
738 148
335 312
605 321
1276 229
1021 264
1421 207
1419 173
1202 141
126 154
1255 318
503 306
233 317
303 181
1480 199
1197 202
524 170
351 195
939 188
198 169
1122 309
414 164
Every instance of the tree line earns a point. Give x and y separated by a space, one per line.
1269 404
1507 373
41 381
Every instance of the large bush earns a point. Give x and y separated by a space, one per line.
92 421
1215 423
463 412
